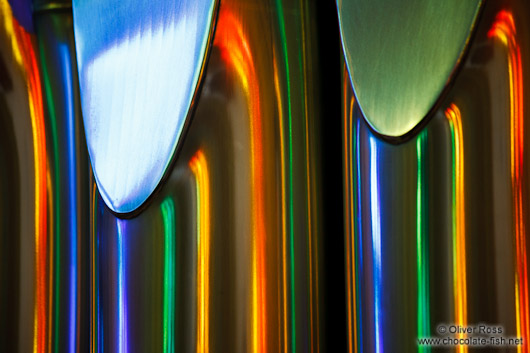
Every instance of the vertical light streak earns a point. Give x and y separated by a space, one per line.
122 288
281 17
355 211
422 247
72 196
376 242
168 216
93 323
504 30
313 270
235 50
97 324
358 224
49 193
350 213
350 231
55 211
55 214
24 53
283 203
199 167
459 227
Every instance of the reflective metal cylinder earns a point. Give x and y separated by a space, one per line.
49 221
67 180
226 257
436 225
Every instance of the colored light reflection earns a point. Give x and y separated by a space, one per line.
352 214
199 167
24 53
350 227
123 331
72 180
458 212
359 211
168 216
94 283
54 196
422 242
139 64
504 30
290 211
235 51
284 319
376 244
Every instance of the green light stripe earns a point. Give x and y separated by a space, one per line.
55 145
168 215
453 192
422 244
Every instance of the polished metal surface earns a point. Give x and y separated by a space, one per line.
44 230
436 227
61 250
230 244
271 233
19 219
139 68
401 54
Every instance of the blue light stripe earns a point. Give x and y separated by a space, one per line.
72 195
376 242
122 298
359 231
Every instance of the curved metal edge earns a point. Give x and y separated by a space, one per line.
396 140
191 111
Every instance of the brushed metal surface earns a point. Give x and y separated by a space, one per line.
401 54
231 242
140 63
435 232
233 251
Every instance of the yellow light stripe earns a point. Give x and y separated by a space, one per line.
199 167
459 227
23 51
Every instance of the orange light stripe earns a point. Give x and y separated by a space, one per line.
199 167
347 206
459 243
504 30
231 39
350 219
24 53
283 208
352 239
